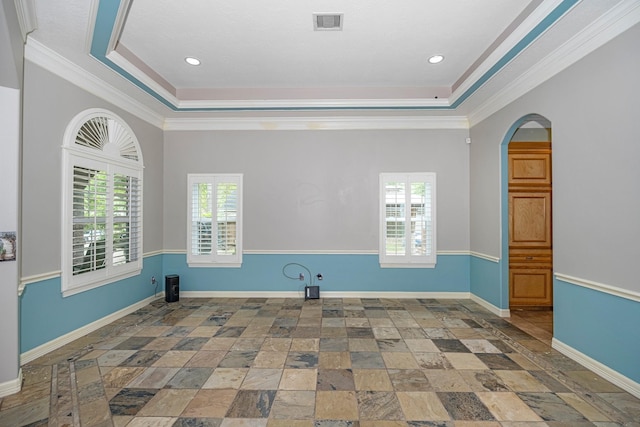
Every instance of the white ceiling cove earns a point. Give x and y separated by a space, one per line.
266 58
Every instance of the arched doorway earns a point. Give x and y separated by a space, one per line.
526 214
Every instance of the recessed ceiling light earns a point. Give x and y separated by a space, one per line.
192 61
435 59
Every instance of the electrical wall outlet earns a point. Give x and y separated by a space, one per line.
153 280
301 276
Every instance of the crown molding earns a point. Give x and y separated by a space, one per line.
619 19
318 123
50 60
27 18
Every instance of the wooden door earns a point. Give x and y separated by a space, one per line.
530 245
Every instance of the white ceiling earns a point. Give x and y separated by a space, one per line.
264 58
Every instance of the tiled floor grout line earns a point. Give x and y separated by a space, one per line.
74 395
597 402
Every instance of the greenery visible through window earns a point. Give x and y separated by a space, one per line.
215 210
407 206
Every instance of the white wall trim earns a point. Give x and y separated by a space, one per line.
24 281
47 347
27 18
485 256
11 386
500 312
350 294
318 123
152 253
51 61
600 287
617 20
604 371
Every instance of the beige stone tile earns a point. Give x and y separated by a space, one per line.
446 380
399 360
521 381
204 331
384 333
247 344
163 343
382 423
190 321
219 344
223 378
421 346
34 410
593 382
589 412
152 422
210 403
174 359
422 405
121 420
465 361
26 395
381 322
119 377
94 412
206 359
305 344
357 322
363 344
523 361
153 378
336 405
270 359
276 344
168 403
289 423
334 360
262 379
372 379
507 406
293 405
153 331
299 379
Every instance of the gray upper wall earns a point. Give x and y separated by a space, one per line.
593 107
318 190
10 47
50 103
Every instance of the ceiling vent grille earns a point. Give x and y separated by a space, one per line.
327 21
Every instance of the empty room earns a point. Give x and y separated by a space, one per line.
426 213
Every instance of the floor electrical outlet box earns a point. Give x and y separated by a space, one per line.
311 292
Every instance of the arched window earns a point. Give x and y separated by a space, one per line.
102 202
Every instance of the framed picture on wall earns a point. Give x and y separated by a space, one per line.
8 247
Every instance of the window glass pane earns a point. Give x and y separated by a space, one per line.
227 213
419 206
201 212
126 218
395 205
89 220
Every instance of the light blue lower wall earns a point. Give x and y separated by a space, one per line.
45 315
485 281
341 272
601 326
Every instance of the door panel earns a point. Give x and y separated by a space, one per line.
530 219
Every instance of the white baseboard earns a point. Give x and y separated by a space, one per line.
47 347
12 386
501 312
296 294
604 371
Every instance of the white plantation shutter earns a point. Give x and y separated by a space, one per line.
407 220
102 220
215 220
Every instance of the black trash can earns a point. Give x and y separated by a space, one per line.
172 288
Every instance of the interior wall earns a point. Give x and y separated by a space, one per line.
592 106
318 190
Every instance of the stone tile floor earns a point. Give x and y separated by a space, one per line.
325 363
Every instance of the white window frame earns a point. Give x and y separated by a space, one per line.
407 260
214 259
118 152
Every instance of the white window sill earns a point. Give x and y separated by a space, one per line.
215 265
407 265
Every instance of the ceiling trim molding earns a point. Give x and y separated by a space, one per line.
27 17
619 19
50 60
107 22
318 123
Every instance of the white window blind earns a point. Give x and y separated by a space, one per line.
215 220
407 220
102 219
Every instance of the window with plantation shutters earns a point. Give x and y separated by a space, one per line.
215 220
102 193
407 220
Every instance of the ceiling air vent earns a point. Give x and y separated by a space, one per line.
327 21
